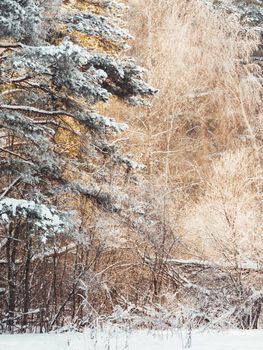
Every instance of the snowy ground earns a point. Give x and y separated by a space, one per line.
141 340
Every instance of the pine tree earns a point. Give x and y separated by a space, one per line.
58 61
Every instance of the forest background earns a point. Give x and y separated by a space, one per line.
158 224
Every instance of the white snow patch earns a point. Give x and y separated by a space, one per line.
115 339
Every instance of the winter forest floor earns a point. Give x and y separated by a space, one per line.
140 340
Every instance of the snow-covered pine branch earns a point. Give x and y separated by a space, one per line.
45 218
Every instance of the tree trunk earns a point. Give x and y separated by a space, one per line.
26 280
11 250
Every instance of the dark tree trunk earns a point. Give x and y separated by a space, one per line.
11 250
26 280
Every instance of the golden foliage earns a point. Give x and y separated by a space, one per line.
94 42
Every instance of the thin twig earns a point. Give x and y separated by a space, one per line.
10 187
12 153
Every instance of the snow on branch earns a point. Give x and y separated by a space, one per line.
109 198
25 126
110 4
20 19
94 76
41 216
91 119
101 123
99 26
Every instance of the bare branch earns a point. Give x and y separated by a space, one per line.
10 45
20 79
12 153
35 110
10 187
10 92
